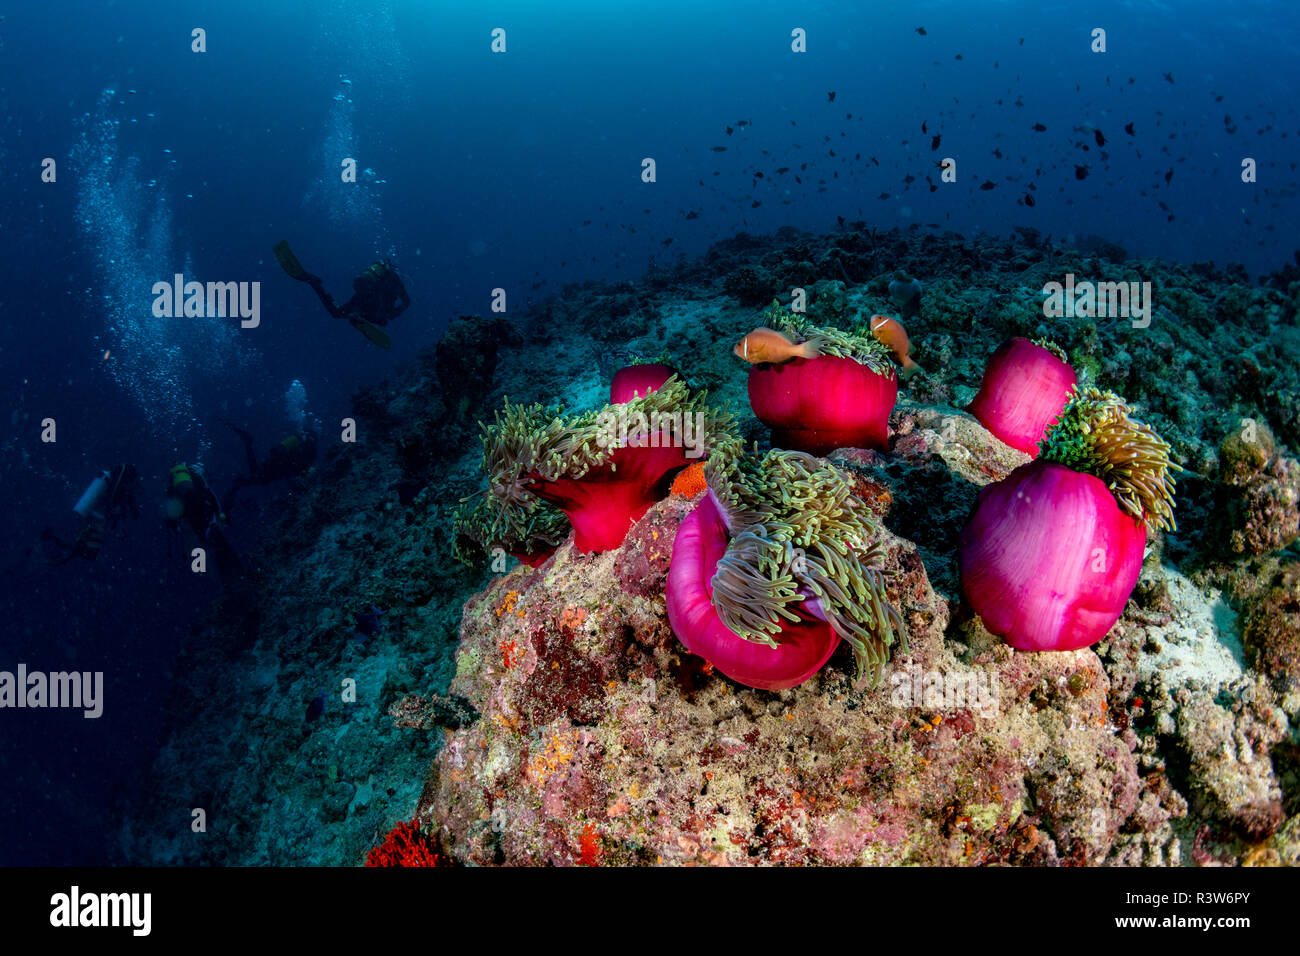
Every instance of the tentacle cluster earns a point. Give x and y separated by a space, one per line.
528 443
1094 434
859 345
799 533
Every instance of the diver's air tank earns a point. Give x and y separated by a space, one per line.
89 501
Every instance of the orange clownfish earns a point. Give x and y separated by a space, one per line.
768 345
891 334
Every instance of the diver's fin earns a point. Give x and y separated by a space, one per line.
289 262
373 332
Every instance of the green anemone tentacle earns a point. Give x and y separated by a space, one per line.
1096 435
797 526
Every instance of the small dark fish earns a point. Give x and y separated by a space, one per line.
782 170
719 149
883 196
692 215
830 97
1080 172
997 153
1039 128
730 130
368 622
1022 41
909 178
1169 175
934 141
741 124
988 184
667 242
957 57
921 30
315 709
1029 199
923 129
1101 140
755 204
1128 128
1169 77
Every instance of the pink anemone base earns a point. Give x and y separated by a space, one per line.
1024 389
1049 560
818 405
804 647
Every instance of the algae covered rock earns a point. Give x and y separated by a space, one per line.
1272 630
1262 491
602 740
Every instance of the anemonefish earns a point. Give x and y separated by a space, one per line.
890 333
768 345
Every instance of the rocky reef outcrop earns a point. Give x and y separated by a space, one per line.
549 715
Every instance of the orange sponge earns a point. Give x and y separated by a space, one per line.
689 481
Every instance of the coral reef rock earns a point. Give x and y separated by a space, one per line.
596 721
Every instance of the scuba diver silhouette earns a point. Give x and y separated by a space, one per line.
106 500
290 457
378 295
188 499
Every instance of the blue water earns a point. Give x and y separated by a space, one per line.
520 170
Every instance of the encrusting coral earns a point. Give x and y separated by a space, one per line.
800 539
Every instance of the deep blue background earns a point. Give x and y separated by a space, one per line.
491 166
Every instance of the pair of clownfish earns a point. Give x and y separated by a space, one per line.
768 345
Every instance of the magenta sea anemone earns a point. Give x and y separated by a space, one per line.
842 398
1025 386
802 645
601 470
778 562
1054 550
818 405
638 381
